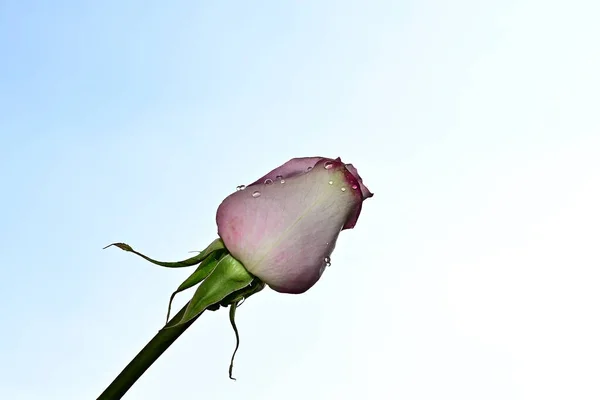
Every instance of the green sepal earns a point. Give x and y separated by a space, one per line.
241 295
229 276
235 300
217 244
204 269
232 309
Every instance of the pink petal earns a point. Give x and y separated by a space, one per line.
356 183
363 189
293 167
283 232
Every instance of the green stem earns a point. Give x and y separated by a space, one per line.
145 358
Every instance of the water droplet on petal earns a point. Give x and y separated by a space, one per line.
279 177
327 261
256 194
343 189
331 182
268 181
328 164
241 187
308 169
282 181
354 187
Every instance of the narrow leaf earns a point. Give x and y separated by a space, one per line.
217 244
241 295
204 269
232 309
228 277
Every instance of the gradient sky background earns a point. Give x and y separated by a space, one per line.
472 274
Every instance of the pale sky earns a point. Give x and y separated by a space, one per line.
472 274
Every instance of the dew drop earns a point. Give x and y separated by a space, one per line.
343 189
331 182
279 177
268 181
354 187
241 187
256 194
327 261
308 169
328 164
282 181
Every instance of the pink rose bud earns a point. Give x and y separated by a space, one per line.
283 227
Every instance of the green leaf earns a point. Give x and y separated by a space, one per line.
228 277
204 269
217 244
241 295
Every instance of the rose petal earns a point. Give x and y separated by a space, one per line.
293 167
283 232
363 189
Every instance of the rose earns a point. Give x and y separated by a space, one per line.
279 231
284 227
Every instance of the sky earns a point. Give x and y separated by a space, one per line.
473 272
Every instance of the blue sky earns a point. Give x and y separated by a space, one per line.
472 273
